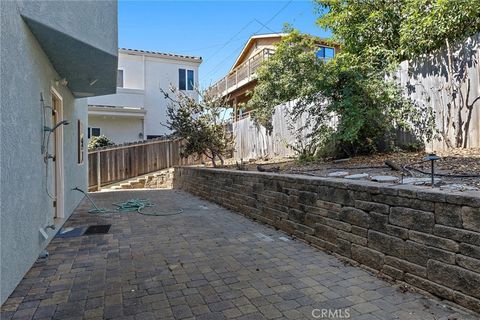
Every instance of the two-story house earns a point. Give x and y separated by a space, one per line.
138 110
241 78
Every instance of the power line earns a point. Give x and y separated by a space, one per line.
278 12
266 27
221 62
231 39
209 47
253 20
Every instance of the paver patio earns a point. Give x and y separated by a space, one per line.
205 263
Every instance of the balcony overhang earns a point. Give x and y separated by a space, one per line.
116 112
89 71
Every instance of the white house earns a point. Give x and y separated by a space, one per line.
138 110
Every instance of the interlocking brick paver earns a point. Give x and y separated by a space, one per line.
201 264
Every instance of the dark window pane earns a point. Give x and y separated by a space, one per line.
190 79
181 79
154 136
95 132
88 132
120 78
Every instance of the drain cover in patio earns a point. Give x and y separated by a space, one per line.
98 229
70 232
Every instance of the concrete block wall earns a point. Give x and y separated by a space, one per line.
427 238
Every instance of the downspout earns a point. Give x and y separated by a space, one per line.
144 93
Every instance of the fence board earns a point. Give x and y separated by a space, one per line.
128 161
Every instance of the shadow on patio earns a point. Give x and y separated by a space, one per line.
205 263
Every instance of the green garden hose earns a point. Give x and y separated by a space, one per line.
139 204
129 206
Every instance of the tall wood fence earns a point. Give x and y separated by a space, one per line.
110 165
426 81
252 141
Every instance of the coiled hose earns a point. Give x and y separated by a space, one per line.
131 205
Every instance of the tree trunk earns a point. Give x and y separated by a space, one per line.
213 160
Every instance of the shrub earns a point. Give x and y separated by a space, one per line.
99 142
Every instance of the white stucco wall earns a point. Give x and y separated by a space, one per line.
133 70
26 72
144 75
161 73
119 130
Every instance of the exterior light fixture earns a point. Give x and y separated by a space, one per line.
432 157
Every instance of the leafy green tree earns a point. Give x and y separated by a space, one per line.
430 25
383 33
368 30
290 75
351 107
395 30
202 124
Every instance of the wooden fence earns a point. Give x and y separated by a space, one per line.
110 165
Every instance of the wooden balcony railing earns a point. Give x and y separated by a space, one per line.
244 71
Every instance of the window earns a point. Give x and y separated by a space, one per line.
153 136
190 80
181 79
120 78
95 132
326 53
186 79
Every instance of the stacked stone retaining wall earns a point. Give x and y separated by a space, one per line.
428 238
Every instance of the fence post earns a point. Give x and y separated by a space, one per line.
168 154
170 148
99 176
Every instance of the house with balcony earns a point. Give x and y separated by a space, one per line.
54 55
137 111
241 78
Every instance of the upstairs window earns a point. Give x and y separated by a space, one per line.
181 79
186 79
190 80
119 78
326 53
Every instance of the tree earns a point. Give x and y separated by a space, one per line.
367 107
202 124
290 75
367 30
99 142
427 25
383 33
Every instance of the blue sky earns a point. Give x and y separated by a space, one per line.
214 30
